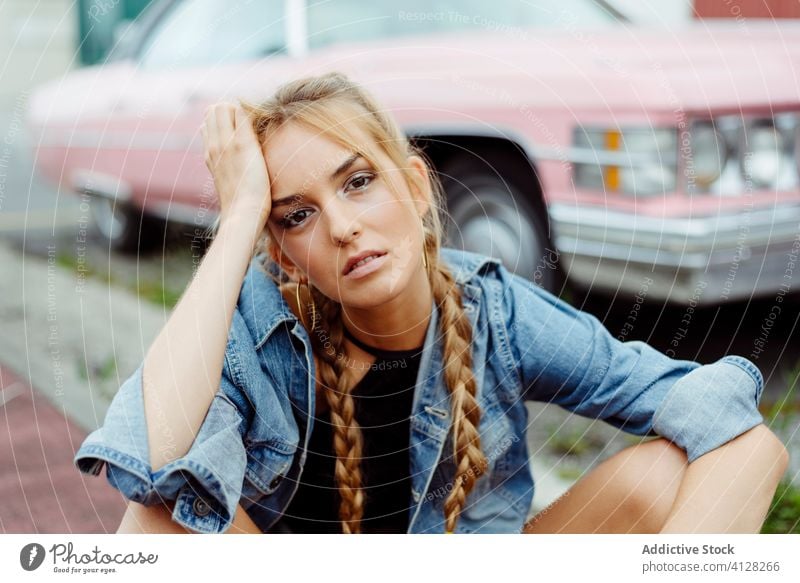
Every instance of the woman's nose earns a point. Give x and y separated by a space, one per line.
342 221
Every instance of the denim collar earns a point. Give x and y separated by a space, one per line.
263 307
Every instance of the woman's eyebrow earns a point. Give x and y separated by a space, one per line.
293 198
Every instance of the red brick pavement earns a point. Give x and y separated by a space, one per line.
40 489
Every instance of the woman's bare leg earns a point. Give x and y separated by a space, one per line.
730 489
140 519
632 491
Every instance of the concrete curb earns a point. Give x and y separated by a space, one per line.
74 339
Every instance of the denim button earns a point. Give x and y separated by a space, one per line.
200 507
275 481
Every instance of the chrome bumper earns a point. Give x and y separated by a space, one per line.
707 260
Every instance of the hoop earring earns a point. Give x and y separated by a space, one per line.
300 306
424 248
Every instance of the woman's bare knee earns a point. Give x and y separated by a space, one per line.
647 477
140 519
242 523
632 491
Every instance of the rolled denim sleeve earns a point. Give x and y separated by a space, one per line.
711 405
567 357
206 483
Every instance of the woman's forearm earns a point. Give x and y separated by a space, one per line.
183 366
729 489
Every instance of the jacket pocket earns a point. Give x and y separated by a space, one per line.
497 432
267 466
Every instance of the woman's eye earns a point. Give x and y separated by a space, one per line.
361 181
288 221
294 219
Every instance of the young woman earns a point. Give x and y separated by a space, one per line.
332 368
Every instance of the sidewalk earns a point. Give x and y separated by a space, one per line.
40 490
74 342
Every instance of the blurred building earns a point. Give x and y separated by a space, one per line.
101 24
676 11
38 41
746 9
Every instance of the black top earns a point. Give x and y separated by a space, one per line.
383 401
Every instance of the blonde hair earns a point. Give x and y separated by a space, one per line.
332 104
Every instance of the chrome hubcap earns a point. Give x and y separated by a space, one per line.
110 218
489 223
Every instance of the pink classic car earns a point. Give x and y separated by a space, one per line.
571 143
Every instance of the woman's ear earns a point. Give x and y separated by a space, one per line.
285 263
421 190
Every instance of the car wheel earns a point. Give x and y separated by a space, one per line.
126 228
490 215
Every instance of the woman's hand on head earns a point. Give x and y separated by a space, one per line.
234 157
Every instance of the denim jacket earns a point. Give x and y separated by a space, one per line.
527 345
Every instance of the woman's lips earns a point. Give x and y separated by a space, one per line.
369 267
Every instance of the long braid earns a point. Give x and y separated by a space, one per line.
348 442
457 356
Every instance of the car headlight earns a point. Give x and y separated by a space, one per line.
636 161
752 154
766 154
707 155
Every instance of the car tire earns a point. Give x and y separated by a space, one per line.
126 228
488 212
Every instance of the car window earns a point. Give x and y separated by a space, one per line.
335 21
211 32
